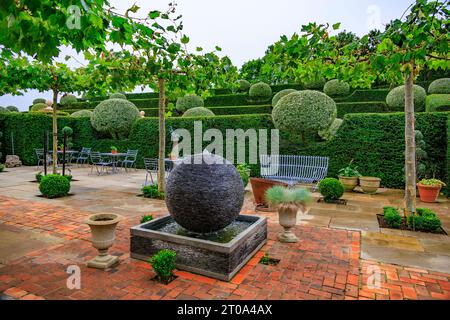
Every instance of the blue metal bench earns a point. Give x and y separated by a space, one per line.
294 169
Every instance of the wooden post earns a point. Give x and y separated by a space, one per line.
162 137
55 131
410 148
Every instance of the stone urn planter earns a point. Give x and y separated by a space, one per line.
287 216
429 190
103 227
259 188
349 183
369 185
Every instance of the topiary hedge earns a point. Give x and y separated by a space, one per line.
38 107
3 110
68 100
198 112
115 116
396 99
336 88
243 85
280 95
344 108
440 86
39 100
369 95
438 102
12 109
331 189
54 186
82 113
331 132
316 84
189 101
260 92
118 96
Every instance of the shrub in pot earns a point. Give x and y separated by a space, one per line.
54 186
288 202
331 189
349 177
369 185
429 189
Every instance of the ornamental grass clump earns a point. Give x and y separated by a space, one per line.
189 101
54 186
331 189
284 198
163 263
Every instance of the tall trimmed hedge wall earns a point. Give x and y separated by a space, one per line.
374 141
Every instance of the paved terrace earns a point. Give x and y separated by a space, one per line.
340 248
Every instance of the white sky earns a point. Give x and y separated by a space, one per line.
245 28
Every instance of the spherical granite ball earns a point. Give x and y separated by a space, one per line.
204 193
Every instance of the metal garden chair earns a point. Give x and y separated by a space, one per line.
98 161
152 165
41 158
130 160
83 156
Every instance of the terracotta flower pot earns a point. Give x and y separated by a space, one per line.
259 188
103 227
349 183
114 151
287 216
369 185
429 194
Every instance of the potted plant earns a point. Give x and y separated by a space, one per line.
349 177
369 185
288 202
259 188
103 227
429 189
113 150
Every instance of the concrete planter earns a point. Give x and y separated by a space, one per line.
212 259
369 185
103 227
287 216
349 183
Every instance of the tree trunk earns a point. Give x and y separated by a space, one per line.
162 137
410 148
55 131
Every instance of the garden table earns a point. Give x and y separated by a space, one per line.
114 159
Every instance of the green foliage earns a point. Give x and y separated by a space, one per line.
438 102
38 107
432 182
396 98
163 264
2 167
118 96
349 171
392 217
54 186
146 218
3 110
260 92
68 131
115 116
12 109
198 112
278 195
424 220
280 95
361 96
151 192
82 113
244 171
316 84
304 111
68 100
440 86
331 189
244 85
39 100
336 88
344 108
331 132
188 102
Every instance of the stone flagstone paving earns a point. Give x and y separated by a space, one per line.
325 264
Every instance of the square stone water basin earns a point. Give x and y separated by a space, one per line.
220 255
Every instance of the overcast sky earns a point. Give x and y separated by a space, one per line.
245 28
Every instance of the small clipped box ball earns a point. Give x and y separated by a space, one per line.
204 193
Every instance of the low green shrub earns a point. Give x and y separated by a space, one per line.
331 189
438 102
39 100
3 110
244 171
440 86
68 100
54 186
118 96
280 95
392 217
336 88
244 86
151 192
12 109
189 101
38 107
163 263
2 167
260 92
82 113
396 98
146 218
198 112
424 220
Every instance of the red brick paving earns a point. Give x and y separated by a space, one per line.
325 264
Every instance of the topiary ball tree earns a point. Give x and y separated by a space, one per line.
440 86
68 100
198 112
336 88
243 85
54 186
39 100
38 107
304 111
82 113
189 101
3 110
260 92
331 189
118 96
115 116
204 193
280 95
330 133
12 108
396 98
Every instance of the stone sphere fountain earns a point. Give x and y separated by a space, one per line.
204 196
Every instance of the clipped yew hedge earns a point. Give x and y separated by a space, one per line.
344 108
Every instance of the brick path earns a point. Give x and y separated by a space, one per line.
325 264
